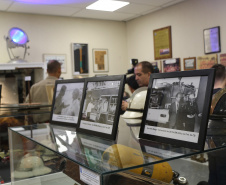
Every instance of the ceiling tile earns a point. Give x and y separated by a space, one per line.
80 3
76 8
103 15
135 9
152 10
43 9
172 3
4 5
150 2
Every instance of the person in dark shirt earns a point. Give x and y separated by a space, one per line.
133 85
191 112
177 113
218 105
220 77
217 159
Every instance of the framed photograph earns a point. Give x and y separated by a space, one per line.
100 60
223 59
189 63
157 66
207 61
212 42
162 43
99 113
80 60
177 108
67 101
60 57
171 65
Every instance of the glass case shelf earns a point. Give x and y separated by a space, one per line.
43 149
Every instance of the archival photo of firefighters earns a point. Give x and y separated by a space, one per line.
100 102
175 106
67 102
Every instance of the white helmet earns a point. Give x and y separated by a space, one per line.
31 166
136 104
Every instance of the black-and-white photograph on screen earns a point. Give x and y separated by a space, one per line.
100 112
67 100
175 107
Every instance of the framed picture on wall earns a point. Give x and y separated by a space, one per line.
177 108
157 66
212 42
162 43
189 63
80 60
100 60
171 65
207 61
59 57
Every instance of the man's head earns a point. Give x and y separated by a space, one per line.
142 72
179 97
54 68
220 75
192 97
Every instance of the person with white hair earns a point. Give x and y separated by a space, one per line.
73 109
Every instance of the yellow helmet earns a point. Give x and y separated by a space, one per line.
121 156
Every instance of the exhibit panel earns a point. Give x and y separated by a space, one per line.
44 150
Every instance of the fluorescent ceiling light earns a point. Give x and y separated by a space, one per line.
107 5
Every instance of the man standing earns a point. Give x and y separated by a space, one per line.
142 73
191 112
38 92
177 113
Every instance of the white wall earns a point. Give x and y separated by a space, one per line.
187 20
54 35
134 39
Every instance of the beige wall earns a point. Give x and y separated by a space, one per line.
134 39
54 35
187 20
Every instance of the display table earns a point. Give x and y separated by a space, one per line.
45 149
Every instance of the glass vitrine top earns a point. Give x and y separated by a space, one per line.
15 110
101 155
24 105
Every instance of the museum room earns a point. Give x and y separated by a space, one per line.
111 92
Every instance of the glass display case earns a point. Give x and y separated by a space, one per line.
14 115
49 154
